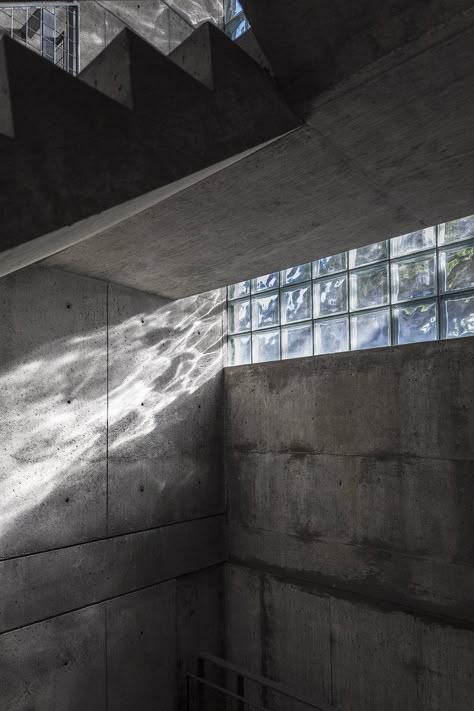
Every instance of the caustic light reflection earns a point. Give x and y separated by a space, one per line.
55 405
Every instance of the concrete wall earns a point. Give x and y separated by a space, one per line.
111 527
163 24
350 486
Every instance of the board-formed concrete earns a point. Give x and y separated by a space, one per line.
349 481
348 652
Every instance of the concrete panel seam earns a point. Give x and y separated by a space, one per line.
112 597
242 449
115 535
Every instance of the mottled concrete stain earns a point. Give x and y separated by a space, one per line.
357 486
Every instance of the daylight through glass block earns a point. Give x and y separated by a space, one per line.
410 289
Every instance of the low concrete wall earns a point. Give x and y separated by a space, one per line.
350 494
111 490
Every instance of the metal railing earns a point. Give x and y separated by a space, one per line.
219 684
50 29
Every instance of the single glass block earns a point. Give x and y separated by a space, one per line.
297 341
266 282
458 316
265 311
376 252
369 287
237 291
295 274
239 350
238 316
331 336
456 265
296 304
370 330
415 323
413 242
456 230
330 265
266 346
330 296
414 278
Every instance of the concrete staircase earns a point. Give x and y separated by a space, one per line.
179 174
134 121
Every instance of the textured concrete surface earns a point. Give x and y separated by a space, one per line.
110 424
141 649
381 155
314 45
164 24
165 409
200 621
349 484
411 401
94 137
53 422
42 585
57 665
346 651
121 654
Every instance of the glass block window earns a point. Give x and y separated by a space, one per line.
410 289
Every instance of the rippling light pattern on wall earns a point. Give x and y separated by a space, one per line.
413 288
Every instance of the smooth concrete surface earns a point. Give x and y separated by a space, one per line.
53 422
112 528
200 621
122 654
42 585
57 665
386 153
141 649
350 492
165 409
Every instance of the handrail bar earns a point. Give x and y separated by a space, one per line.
263 681
226 692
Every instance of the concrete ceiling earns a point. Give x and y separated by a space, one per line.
312 45
386 152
